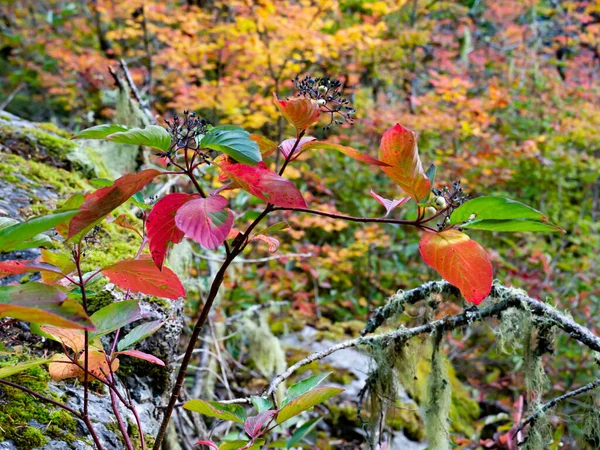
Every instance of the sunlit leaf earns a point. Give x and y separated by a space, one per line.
143 276
306 401
205 220
261 403
62 368
36 302
399 149
24 266
101 202
460 261
233 413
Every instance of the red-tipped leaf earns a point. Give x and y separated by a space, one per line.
301 112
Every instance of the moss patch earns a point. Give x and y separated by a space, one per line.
18 409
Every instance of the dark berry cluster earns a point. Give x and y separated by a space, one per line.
328 94
447 200
184 131
185 134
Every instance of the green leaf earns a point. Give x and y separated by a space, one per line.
17 236
273 228
100 131
510 225
138 200
431 173
306 401
233 143
478 213
36 302
302 431
303 386
151 136
115 316
8 371
233 413
260 403
101 182
228 128
138 333
236 445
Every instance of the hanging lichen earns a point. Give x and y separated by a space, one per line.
514 324
439 395
591 424
539 435
264 348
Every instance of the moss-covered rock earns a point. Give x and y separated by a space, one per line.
48 144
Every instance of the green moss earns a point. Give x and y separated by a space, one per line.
344 412
99 300
48 143
134 433
27 438
18 408
50 127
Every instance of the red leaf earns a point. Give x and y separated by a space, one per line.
460 261
141 355
205 220
102 201
255 424
348 151
141 275
399 149
266 146
161 227
286 146
210 444
301 112
389 205
18 267
264 183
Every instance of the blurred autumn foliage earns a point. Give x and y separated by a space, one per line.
505 97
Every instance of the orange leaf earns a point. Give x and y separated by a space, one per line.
348 151
301 112
102 201
74 339
399 149
63 262
460 261
62 368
